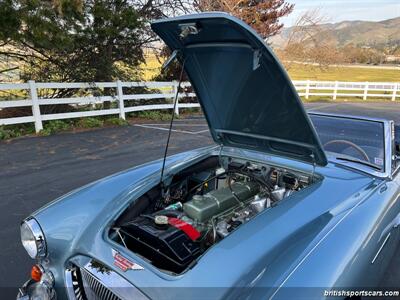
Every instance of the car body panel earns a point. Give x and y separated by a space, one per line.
275 242
361 247
246 95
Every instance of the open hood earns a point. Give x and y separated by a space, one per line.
246 95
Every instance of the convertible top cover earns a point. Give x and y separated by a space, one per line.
246 95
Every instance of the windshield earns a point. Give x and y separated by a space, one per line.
352 139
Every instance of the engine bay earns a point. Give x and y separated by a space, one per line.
171 226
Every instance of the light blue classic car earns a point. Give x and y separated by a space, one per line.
286 204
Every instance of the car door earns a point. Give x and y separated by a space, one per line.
388 250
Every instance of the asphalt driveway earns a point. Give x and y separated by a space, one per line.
36 170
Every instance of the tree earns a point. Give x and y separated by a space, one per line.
9 21
77 42
310 42
262 15
80 40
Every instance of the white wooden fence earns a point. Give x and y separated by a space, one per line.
157 90
335 89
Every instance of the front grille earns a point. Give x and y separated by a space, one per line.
96 281
87 287
94 289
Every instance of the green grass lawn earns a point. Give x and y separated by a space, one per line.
151 68
304 72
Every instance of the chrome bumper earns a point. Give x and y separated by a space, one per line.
36 290
23 291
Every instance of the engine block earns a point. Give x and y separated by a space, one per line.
202 207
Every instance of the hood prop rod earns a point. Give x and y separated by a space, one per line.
174 55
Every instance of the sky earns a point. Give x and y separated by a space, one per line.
346 10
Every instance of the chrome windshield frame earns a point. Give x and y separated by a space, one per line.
388 146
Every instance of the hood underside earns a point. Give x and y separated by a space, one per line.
246 95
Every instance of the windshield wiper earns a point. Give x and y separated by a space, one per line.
359 161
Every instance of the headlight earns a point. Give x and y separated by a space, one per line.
33 239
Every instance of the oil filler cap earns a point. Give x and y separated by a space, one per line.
161 220
197 198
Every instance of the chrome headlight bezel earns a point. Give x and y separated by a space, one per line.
33 239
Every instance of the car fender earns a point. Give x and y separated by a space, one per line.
356 252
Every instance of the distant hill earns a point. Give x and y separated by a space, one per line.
360 33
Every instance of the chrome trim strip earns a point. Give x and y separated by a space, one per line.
380 248
355 117
69 285
388 149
